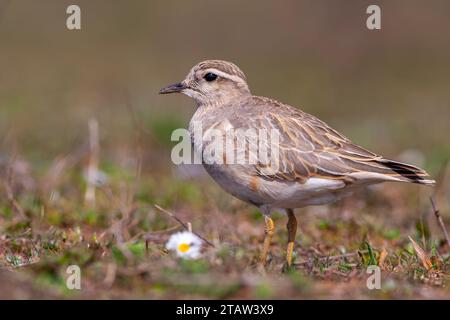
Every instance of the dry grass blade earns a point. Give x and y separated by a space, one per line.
440 221
8 186
382 258
426 262
331 258
61 165
184 224
92 170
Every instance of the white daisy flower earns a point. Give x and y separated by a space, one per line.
185 244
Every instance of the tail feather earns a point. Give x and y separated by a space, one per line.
408 173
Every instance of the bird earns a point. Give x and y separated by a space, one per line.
316 164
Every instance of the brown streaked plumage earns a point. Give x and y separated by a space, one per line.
316 165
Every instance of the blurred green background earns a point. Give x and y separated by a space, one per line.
387 90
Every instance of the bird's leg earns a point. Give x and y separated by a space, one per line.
269 229
292 230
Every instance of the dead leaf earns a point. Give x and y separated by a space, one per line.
382 257
426 262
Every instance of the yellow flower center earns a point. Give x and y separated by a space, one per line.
184 247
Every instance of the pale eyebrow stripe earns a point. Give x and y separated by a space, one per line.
226 75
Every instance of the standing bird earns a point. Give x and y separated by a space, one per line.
316 164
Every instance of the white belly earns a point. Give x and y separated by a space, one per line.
276 193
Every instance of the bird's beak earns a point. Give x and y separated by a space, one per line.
176 87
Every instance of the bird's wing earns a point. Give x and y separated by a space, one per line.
308 147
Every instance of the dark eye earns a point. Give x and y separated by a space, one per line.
210 76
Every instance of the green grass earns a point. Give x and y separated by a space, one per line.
109 244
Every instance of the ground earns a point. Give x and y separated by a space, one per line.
119 242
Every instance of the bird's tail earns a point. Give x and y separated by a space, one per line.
408 173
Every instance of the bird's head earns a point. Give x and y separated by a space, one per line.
212 82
